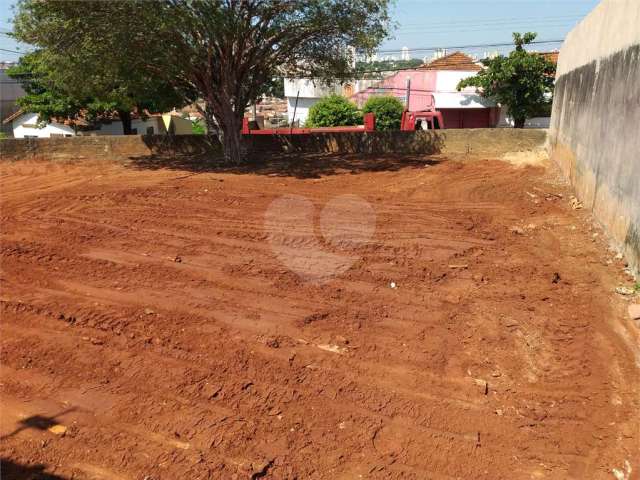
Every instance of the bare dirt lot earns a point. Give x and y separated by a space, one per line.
150 331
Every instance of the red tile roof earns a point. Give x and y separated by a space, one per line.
80 120
12 117
454 61
551 56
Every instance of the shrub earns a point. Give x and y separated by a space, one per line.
388 111
333 111
198 128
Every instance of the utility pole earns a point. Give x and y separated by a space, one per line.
408 92
295 107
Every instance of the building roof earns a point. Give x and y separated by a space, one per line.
13 116
4 65
454 61
551 56
82 121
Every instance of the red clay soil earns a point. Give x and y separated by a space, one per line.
149 331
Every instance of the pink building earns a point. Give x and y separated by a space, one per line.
434 85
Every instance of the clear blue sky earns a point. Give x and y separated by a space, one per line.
444 23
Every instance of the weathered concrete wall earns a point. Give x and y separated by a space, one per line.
595 125
348 142
492 142
106 147
474 142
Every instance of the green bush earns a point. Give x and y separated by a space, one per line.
333 111
388 111
197 127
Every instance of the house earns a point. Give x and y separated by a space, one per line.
28 125
434 85
269 112
302 94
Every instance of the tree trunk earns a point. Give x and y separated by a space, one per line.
229 113
230 123
232 142
125 118
519 122
212 125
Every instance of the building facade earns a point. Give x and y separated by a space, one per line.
434 86
28 125
303 93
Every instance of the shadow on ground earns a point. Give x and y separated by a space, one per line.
38 422
9 470
297 165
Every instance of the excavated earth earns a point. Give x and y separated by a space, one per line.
152 327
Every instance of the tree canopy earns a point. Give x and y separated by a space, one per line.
224 52
41 96
74 68
521 80
49 94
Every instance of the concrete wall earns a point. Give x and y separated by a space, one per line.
490 143
107 147
595 126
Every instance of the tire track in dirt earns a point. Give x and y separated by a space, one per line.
152 302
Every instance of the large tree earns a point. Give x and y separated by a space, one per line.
51 95
521 81
42 97
89 75
223 51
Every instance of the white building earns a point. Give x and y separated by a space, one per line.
305 92
308 92
406 55
27 125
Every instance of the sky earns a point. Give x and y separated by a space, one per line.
430 24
